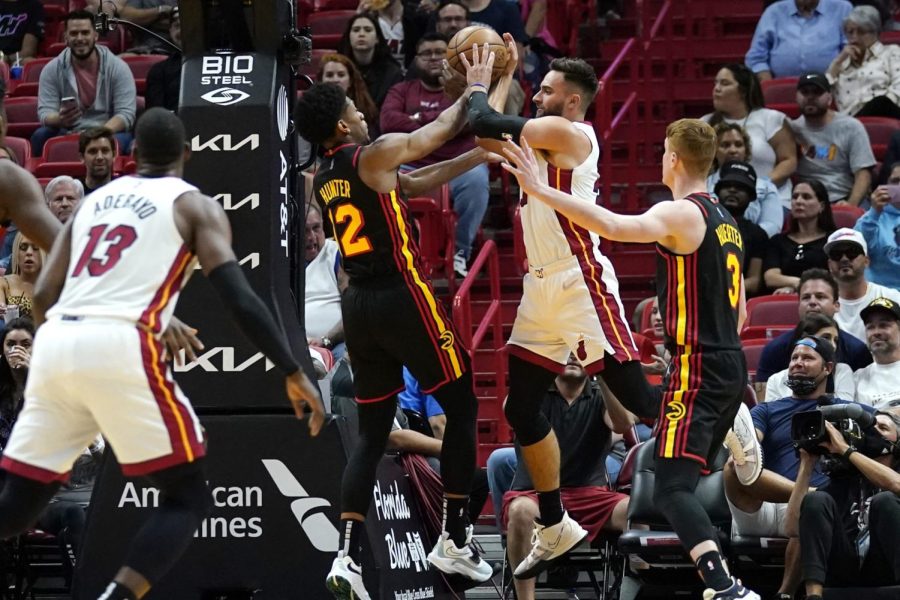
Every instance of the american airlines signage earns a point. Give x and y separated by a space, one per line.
229 203
222 359
224 143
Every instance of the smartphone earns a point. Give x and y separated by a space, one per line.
68 102
894 193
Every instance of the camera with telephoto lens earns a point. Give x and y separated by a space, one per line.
808 427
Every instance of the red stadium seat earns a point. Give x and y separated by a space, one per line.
21 148
846 215
880 130
22 116
752 352
772 310
70 168
335 5
312 68
750 396
31 72
763 332
328 26
780 91
140 65
889 37
437 229
60 157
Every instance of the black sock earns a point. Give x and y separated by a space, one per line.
117 591
550 505
713 571
351 529
813 597
455 521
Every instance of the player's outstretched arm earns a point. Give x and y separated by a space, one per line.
675 227
24 204
421 181
50 282
205 228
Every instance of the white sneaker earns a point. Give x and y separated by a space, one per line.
449 559
345 580
460 265
744 447
549 543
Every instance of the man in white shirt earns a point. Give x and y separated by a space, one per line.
879 383
325 280
847 260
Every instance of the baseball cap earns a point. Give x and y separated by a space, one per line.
881 304
823 347
740 173
817 79
846 235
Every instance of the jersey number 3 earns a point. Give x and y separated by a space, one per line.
119 238
352 243
734 288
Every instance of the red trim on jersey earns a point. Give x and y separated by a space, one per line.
380 398
336 148
535 358
606 305
356 156
32 472
170 286
178 421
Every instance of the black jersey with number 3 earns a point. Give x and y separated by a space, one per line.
699 293
372 229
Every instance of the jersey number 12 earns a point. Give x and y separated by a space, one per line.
119 238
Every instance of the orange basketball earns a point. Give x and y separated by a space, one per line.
462 43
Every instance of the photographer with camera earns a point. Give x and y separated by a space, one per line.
849 529
758 506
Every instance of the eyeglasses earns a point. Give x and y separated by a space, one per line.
851 252
452 19
432 54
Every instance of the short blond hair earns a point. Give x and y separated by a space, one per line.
694 141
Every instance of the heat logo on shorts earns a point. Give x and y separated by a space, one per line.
675 410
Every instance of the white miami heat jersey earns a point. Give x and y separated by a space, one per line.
549 236
128 260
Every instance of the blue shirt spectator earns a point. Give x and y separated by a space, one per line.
881 228
777 354
773 419
412 397
790 41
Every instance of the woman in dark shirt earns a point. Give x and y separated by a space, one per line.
364 44
803 246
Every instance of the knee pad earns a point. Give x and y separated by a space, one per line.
529 423
458 400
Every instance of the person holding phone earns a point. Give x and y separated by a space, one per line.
880 226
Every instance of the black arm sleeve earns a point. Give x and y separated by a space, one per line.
488 123
251 315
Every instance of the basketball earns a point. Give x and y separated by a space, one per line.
462 43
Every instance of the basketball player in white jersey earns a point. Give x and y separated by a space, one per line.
109 288
571 297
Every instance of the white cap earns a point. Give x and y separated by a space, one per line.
845 234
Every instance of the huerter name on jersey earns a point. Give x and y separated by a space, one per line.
140 205
729 234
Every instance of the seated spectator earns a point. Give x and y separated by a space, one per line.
848 530
325 280
865 76
818 293
891 158
6 153
364 44
802 247
450 17
164 78
583 420
847 261
765 208
501 16
793 37
15 359
97 149
21 29
759 509
155 15
736 190
840 381
411 104
737 98
412 397
880 227
97 86
63 195
337 68
401 24
17 288
878 384
833 148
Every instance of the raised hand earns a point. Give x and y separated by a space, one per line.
524 166
512 50
478 73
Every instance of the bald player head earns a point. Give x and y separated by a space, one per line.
159 143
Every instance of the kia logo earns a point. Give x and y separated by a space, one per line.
225 96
